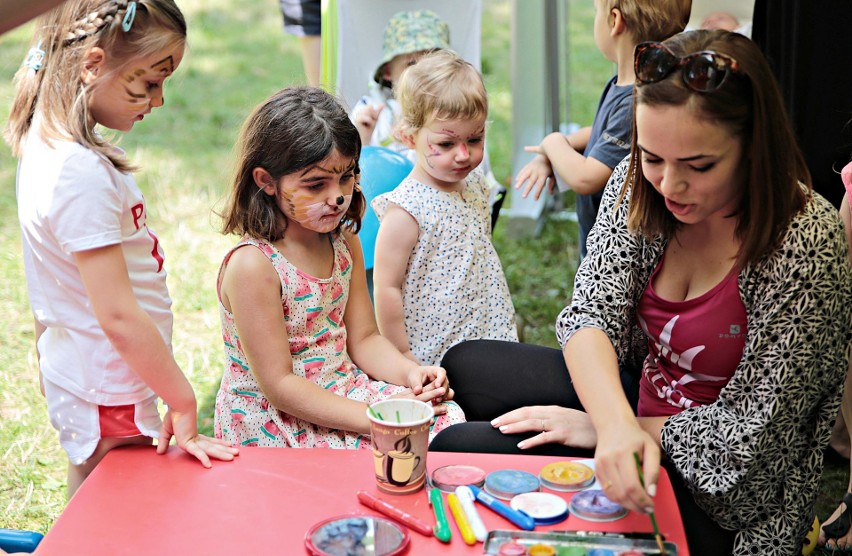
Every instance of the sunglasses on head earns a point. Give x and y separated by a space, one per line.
703 71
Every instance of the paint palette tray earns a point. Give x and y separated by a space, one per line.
579 543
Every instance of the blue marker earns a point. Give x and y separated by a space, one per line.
518 517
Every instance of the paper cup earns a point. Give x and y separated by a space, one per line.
400 436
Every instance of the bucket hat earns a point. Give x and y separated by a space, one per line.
412 31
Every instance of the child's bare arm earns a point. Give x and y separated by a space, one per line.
395 241
375 354
136 338
535 174
584 175
251 290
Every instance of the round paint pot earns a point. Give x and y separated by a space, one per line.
543 507
512 548
541 550
566 476
508 483
593 505
449 477
600 552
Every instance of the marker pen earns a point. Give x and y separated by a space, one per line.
465 496
392 511
519 518
461 519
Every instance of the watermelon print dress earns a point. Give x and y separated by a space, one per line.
313 310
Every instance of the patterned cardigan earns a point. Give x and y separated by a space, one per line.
753 458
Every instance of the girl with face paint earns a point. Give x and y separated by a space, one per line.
438 280
303 355
96 273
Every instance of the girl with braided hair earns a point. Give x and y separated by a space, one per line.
95 274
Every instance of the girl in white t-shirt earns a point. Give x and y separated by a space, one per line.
95 275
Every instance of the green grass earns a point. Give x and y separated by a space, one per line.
238 55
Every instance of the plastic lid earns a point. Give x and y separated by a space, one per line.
543 507
449 477
508 483
593 505
567 476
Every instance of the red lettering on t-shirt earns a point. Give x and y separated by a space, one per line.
138 212
155 252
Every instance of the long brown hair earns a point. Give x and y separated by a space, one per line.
293 129
750 105
66 34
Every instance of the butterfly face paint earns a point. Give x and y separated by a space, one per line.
316 198
447 151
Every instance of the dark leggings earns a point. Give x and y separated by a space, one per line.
491 377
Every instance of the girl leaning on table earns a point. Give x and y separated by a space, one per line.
716 291
95 274
304 357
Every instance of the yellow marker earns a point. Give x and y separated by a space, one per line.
461 519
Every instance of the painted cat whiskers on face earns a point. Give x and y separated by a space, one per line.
163 69
313 206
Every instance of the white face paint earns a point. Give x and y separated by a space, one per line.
316 198
320 215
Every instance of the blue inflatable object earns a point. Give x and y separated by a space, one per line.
381 171
13 540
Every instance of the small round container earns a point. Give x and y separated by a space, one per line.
541 550
449 477
352 534
543 507
566 476
508 483
512 548
593 505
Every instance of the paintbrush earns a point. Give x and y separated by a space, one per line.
651 514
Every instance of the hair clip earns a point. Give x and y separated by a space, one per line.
35 58
127 22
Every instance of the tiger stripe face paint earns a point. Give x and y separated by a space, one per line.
119 100
316 198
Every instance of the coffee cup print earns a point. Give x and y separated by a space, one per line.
379 465
400 463
400 437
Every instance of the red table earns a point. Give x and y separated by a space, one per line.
136 502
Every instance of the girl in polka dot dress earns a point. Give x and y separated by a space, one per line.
303 354
438 280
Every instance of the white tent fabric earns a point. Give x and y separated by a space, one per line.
361 25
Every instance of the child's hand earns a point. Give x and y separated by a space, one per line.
535 173
421 376
365 121
184 428
430 395
427 380
428 384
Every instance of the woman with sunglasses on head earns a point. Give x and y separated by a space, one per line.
715 271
